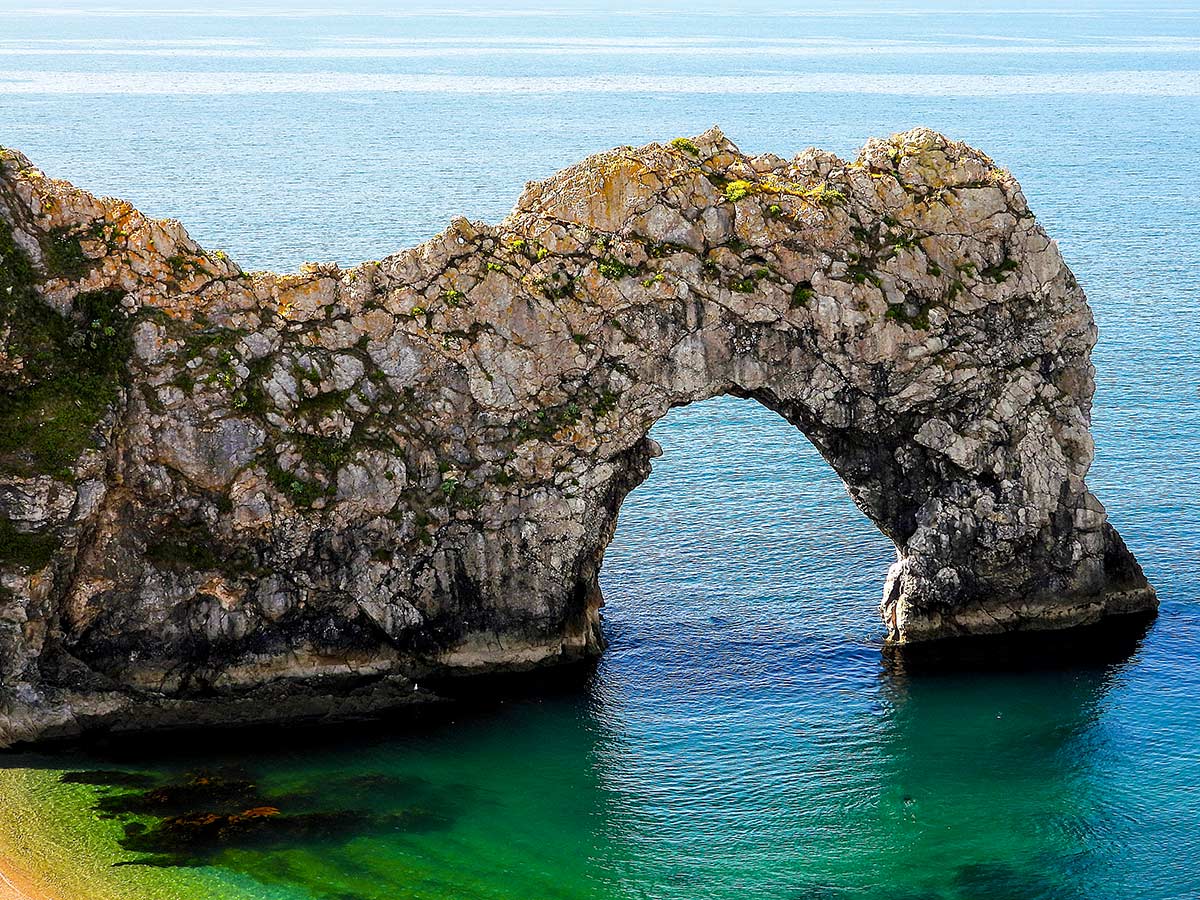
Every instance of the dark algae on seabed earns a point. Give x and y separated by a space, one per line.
205 817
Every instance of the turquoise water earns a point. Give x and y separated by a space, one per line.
744 735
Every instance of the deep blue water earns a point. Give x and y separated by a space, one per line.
742 736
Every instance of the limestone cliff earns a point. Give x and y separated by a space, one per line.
230 495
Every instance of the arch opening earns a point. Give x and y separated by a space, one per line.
744 528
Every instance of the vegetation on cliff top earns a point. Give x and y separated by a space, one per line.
63 371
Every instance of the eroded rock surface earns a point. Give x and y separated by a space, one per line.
230 495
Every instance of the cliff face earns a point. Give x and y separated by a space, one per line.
229 495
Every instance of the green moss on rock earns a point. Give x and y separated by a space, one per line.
192 547
69 368
29 550
737 190
687 146
16 271
63 256
301 491
802 293
611 267
1000 271
914 318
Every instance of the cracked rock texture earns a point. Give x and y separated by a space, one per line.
231 496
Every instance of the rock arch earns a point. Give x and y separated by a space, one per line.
260 496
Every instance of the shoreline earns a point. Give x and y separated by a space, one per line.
17 884
51 845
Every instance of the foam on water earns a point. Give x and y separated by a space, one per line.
226 83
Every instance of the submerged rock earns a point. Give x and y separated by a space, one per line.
238 497
191 819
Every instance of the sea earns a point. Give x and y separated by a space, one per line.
746 733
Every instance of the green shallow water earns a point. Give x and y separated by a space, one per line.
1037 785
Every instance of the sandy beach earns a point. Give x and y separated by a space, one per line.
15 884
52 847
